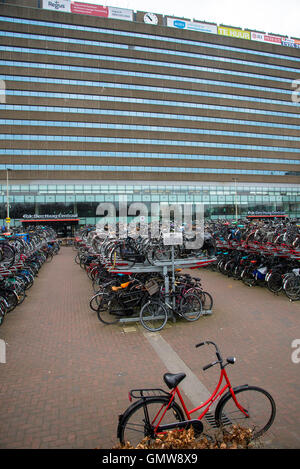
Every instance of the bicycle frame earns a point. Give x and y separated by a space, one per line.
206 405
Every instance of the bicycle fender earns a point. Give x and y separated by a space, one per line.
226 396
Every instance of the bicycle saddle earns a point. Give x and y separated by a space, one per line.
123 285
172 380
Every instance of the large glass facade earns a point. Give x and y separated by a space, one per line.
83 199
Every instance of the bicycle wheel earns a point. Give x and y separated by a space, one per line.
258 404
7 254
274 282
205 297
3 310
95 301
292 288
248 277
49 257
122 258
135 424
153 315
206 300
21 296
11 298
109 310
190 307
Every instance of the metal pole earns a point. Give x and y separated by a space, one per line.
7 200
235 199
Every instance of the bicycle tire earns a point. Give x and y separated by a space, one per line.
21 296
237 272
190 307
206 300
292 288
3 310
133 425
95 301
274 282
11 298
260 407
153 315
8 254
109 310
205 297
2 316
77 258
248 277
119 261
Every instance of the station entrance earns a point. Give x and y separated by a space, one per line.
64 227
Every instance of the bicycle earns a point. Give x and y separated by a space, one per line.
186 304
156 412
117 302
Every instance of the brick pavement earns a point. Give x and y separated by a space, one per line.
67 375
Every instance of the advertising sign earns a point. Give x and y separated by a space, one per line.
266 38
89 9
192 25
233 32
58 5
120 13
99 10
291 43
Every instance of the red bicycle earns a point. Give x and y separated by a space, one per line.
155 411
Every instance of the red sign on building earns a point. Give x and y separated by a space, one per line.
89 9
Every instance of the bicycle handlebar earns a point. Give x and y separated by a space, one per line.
220 360
207 342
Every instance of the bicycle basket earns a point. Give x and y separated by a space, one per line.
152 287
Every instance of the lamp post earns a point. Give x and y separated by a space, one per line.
235 198
7 199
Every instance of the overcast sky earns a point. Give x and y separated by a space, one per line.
271 16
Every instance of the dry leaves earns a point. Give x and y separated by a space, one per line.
235 438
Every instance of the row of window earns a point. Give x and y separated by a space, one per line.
123 154
61 81
80 68
153 50
148 128
82 110
159 89
145 198
145 189
85 56
102 97
142 141
66 167
158 115
143 36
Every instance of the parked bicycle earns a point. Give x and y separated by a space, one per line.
154 412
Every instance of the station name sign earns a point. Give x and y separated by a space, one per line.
59 216
271 214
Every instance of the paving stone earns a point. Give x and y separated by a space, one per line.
67 376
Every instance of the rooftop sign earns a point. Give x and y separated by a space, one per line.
192 25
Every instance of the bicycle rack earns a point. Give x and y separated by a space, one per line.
164 267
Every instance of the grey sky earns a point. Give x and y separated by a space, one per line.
271 16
